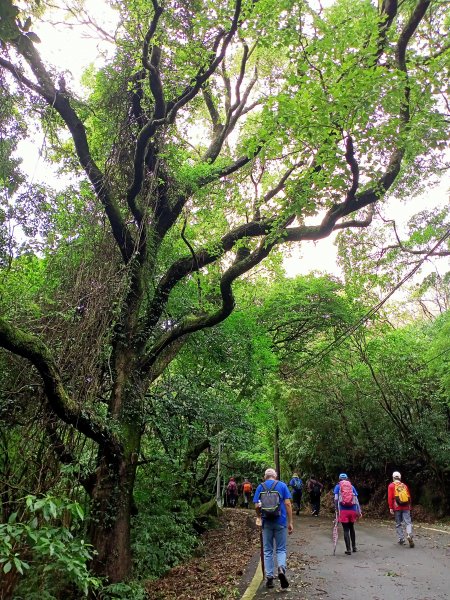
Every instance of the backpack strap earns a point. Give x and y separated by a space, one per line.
266 489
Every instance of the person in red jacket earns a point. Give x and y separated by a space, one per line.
399 500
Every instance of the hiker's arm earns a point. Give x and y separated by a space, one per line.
257 502
258 515
391 499
288 505
358 505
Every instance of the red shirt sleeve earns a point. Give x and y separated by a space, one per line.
391 495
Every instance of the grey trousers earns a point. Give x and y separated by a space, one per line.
403 516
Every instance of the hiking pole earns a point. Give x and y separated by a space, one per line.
262 552
261 544
335 533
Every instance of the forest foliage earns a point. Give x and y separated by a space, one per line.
147 326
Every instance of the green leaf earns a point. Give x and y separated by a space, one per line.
12 517
7 567
18 565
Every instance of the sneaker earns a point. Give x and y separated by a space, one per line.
269 582
401 542
355 549
282 577
411 541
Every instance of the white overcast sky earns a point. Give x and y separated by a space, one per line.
71 50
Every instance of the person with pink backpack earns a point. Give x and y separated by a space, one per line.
232 493
347 510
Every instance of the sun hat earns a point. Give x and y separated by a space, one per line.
343 476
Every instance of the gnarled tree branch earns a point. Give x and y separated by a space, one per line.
61 103
34 350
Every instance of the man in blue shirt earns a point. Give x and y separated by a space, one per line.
276 524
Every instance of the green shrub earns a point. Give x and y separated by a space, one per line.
46 554
162 539
122 591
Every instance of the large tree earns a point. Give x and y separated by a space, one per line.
216 130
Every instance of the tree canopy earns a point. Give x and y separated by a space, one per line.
218 134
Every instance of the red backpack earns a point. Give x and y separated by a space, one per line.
345 493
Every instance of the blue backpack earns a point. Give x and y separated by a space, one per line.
297 484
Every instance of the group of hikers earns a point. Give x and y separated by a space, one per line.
233 491
275 502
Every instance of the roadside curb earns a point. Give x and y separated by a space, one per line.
252 576
250 592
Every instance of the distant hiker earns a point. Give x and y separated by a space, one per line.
296 484
314 488
247 490
232 493
273 504
399 500
348 510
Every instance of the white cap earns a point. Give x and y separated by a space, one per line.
396 475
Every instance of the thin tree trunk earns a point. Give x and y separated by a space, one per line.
276 450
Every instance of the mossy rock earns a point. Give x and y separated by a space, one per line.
209 508
207 515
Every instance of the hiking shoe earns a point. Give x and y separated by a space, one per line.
269 583
401 542
410 541
282 577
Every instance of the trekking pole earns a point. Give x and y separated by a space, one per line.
335 532
262 551
261 544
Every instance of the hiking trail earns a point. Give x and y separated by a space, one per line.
380 569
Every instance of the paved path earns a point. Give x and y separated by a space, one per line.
380 570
